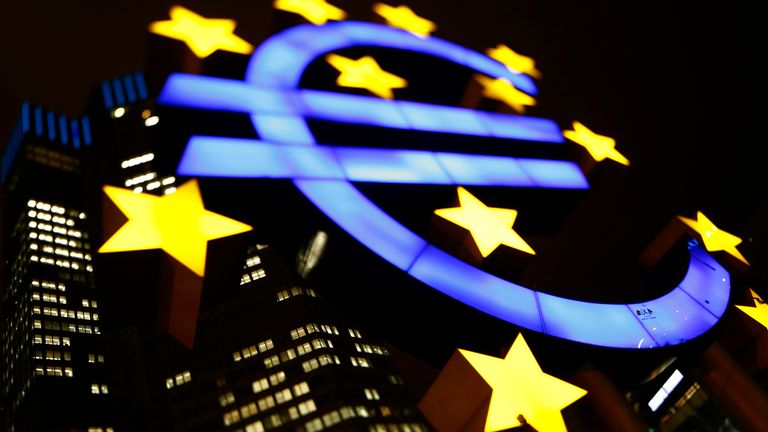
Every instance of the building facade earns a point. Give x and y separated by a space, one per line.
54 371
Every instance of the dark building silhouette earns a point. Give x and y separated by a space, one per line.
54 367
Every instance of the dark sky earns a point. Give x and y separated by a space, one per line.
673 82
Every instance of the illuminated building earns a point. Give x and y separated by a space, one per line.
54 366
697 379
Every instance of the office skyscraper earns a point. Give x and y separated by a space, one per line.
269 353
53 363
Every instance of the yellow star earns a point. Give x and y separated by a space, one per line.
365 73
519 387
404 18
176 223
758 313
490 226
713 237
599 147
503 90
317 12
514 61
202 35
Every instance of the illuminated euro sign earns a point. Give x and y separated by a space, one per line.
325 175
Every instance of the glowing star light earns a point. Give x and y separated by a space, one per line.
317 12
599 147
176 223
202 35
521 388
404 18
514 61
713 237
490 226
365 73
758 313
502 90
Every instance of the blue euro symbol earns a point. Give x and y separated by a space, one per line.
324 174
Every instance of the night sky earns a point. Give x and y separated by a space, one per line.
673 83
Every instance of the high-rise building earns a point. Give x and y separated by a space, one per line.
269 353
54 373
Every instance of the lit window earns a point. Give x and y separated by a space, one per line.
260 385
283 295
256 426
360 362
266 403
132 162
354 333
236 356
231 417
118 112
253 261
287 355
276 378
362 411
271 361
331 418
313 425
183 378
310 365
226 399
371 394
293 413
266 345
283 396
307 407
304 348
300 389
346 412
297 333
248 410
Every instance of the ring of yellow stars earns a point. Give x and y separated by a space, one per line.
403 17
713 237
502 90
203 35
519 387
600 147
317 12
514 61
176 223
365 73
489 226
758 313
